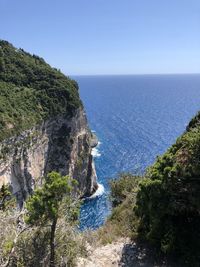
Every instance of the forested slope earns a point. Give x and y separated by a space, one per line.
30 91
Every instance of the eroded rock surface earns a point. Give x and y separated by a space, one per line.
60 144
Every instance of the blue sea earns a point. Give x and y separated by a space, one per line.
135 118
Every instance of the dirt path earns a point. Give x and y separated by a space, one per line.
122 253
104 256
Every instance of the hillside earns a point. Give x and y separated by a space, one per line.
31 91
43 128
168 201
161 210
43 125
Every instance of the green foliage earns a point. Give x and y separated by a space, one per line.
50 204
32 247
5 197
168 201
31 91
44 205
49 238
122 222
7 234
122 186
7 247
69 245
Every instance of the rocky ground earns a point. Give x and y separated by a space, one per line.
122 253
104 256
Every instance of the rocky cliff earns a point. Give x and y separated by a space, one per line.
61 144
43 126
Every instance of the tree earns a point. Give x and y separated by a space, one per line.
168 199
4 194
2 64
48 203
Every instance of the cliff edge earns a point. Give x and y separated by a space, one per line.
43 126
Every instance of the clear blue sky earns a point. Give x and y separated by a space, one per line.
107 36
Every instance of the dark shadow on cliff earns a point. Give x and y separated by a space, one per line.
139 254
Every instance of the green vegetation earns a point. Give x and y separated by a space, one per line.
31 91
163 207
47 205
122 222
45 233
7 201
4 194
168 201
126 184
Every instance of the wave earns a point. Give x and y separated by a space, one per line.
98 193
95 151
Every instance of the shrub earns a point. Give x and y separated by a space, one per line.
122 222
122 186
168 200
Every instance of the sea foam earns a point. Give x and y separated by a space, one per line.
98 193
95 151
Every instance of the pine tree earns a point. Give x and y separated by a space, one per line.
4 194
47 205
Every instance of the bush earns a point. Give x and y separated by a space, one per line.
122 222
168 200
32 248
122 186
48 238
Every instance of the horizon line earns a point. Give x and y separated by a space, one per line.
135 74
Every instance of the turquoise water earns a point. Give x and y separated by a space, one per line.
136 118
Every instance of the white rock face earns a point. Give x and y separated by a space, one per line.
61 144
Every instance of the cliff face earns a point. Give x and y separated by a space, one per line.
43 126
61 144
